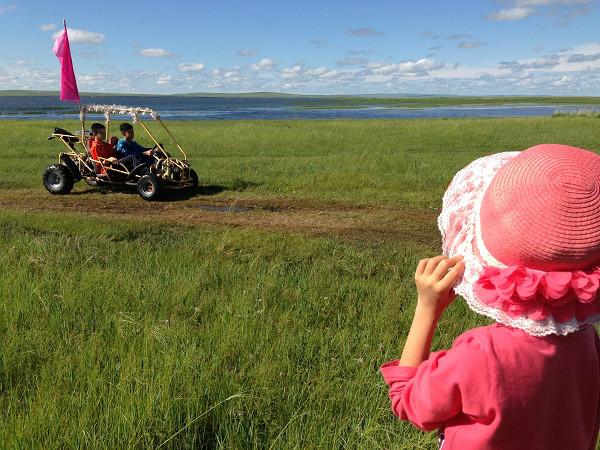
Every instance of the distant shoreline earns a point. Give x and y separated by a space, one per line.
352 101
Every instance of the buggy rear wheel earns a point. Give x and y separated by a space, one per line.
148 187
58 179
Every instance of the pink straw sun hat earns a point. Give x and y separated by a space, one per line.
528 226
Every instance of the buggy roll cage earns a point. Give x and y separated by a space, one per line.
135 114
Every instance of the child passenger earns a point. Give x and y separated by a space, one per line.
521 243
129 152
99 148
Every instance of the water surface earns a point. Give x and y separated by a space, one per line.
224 108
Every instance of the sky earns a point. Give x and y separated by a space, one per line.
458 47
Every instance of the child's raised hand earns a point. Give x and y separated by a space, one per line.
435 278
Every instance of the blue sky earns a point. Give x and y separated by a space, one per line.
308 46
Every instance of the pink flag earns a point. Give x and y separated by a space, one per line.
68 84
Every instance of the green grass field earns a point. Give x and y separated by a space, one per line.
125 324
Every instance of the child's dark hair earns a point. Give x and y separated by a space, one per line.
125 127
97 127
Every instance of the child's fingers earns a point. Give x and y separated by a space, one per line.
452 275
446 265
421 267
432 264
443 266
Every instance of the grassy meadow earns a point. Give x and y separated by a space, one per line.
125 324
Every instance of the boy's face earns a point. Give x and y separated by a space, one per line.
128 134
101 133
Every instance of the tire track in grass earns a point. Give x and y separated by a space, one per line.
367 223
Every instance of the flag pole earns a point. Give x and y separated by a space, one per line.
65 25
79 101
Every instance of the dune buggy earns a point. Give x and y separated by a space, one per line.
80 163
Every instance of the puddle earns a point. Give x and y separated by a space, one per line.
235 208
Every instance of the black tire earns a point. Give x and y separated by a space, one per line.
58 179
194 177
148 187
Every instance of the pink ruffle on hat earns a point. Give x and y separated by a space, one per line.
528 226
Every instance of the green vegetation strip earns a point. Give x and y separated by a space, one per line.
126 334
395 162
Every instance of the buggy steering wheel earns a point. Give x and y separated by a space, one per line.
158 150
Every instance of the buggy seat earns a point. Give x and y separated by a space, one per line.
67 137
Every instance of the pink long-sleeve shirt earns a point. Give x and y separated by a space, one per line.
500 388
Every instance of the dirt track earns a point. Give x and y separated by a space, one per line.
359 223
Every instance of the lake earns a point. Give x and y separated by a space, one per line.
224 108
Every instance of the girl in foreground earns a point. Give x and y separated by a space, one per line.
521 242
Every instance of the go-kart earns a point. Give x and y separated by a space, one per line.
149 178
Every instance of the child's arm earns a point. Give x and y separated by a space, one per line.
430 395
434 278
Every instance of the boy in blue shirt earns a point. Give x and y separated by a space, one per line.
130 153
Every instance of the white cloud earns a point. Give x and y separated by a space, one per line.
190 67
564 10
48 27
419 67
471 44
351 61
319 43
164 79
227 76
81 36
26 77
364 32
247 52
516 13
458 71
291 72
264 64
562 81
581 57
573 71
360 52
456 37
430 35
546 62
317 71
155 52
577 59
327 74
550 2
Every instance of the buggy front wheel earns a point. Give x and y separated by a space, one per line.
58 179
194 177
148 187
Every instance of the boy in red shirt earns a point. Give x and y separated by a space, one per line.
99 148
